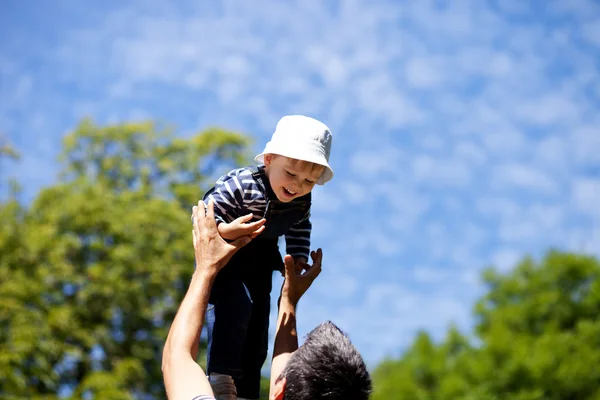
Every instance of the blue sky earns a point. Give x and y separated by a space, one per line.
466 133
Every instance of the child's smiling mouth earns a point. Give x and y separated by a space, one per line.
289 192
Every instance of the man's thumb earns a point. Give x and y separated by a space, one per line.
289 265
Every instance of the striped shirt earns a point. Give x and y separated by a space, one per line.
238 193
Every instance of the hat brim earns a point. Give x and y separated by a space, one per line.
326 176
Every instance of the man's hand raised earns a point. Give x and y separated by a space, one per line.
296 282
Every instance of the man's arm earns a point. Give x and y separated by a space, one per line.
183 377
286 339
286 336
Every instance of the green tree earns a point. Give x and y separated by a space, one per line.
540 329
7 153
6 150
92 271
537 337
264 388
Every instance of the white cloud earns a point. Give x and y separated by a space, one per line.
585 142
374 163
428 275
423 73
385 243
512 176
325 200
583 9
506 143
440 172
354 193
502 207
505 259
547 110
471 153
378 94
586 196
552 152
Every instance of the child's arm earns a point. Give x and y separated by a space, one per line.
228 197
240 227
297 241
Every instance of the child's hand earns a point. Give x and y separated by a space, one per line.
239 227
300 264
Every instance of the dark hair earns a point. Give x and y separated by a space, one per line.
327 366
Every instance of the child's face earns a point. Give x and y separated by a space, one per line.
291 178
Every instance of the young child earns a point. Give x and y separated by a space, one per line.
270 200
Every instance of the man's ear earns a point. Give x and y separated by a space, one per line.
278 389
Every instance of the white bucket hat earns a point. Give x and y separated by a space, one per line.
302 138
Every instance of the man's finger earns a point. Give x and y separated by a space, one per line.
312 272
199 212
194 215
210 213
289 266
315 270
317 256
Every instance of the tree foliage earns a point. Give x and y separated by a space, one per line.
537 336
92 271
6 150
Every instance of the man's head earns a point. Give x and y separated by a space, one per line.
326 366
291 178
302 138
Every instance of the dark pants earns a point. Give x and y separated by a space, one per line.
238 315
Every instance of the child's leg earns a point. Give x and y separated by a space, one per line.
227 319
257 339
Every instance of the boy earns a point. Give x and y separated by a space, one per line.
266 202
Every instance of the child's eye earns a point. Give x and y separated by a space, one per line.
290 174
309 182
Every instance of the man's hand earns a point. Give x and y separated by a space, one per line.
241 227
211 251
300 264
297 283
286 335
